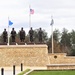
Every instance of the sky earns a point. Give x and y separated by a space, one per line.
63 12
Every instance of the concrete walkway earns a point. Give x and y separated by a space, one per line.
9 70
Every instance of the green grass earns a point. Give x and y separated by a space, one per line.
52 73
23 72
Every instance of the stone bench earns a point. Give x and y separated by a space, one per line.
61 66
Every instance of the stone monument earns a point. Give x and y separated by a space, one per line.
40 34
31 33
4 36
13 35
22 35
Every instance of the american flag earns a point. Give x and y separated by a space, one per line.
31 11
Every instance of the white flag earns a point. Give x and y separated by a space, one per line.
52 22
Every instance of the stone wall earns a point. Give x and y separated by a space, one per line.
29 55
60 61
61 58
61 67
34 56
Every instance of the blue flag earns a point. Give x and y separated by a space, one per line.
10 23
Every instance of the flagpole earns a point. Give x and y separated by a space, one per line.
29 20
52 34
8 31
52 41
29 17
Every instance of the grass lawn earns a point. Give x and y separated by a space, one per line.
23 72
69 72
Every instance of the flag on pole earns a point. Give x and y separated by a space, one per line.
31 11
10 23
52 22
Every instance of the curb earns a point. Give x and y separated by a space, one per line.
29 71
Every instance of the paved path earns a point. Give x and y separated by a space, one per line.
9 70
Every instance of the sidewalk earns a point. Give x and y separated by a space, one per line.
24 68
9 70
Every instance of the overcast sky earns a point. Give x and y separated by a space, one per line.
63 12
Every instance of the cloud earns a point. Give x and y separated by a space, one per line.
63 12
52 4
